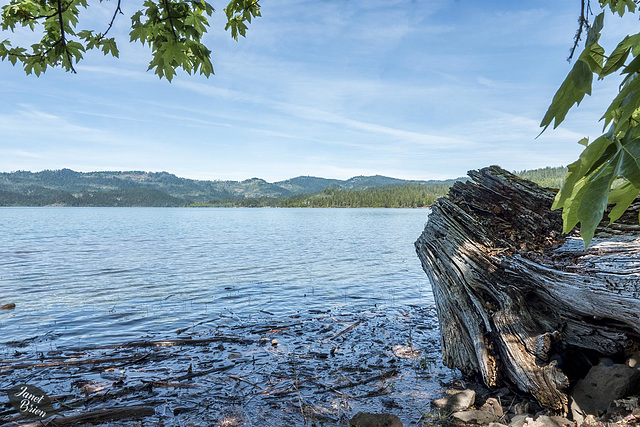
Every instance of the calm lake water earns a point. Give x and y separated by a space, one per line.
90 276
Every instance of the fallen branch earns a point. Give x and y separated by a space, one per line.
345 330
201 373
71 362
233 377
382 376
170 343
275 328
98 416
171 384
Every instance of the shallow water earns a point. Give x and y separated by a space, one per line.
95 276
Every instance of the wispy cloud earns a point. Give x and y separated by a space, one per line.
405 88
20 153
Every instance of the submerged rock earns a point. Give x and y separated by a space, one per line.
365 419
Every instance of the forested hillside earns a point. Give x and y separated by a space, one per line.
135 188
551 177
392 196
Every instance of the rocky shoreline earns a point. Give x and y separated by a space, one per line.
371 368
608 396
313 368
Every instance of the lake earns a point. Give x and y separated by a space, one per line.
94 276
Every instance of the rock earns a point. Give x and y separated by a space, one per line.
475 416
497 425
604 384
390 403
606 361
9 306
530 422
364 419
624 407
562 421
576 413
458 401
545 421
181 410
634 360
521 408
519 420
493 405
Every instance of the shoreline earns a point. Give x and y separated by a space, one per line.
322 366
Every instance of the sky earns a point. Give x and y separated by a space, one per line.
414 89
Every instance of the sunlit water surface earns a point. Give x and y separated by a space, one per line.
93 276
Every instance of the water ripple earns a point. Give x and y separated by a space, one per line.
89 276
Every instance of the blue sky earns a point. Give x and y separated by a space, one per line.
334 88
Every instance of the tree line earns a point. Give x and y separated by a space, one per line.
393 196
405 195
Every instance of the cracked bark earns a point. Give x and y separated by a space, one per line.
518 302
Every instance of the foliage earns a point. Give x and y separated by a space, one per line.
608 170
173 30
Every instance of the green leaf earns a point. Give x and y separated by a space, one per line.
173 53
624 104
578 82
622 197
619 6
577 171
594 32
585 194
593 200
619 55
572 91
109 46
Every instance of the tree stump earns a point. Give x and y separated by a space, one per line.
518 302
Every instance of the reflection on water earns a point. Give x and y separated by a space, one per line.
88 276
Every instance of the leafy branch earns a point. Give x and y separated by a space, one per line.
173 29
608 170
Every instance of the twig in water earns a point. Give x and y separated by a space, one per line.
345 330
233 377
295 385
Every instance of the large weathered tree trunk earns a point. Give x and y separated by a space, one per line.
518 302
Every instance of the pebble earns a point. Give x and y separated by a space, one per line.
475 416
365 419
458 400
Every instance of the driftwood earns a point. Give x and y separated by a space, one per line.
97 416
519 303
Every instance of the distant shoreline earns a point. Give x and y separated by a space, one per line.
160 189
218 207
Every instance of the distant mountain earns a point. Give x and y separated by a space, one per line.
308 184
138 188
41 196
